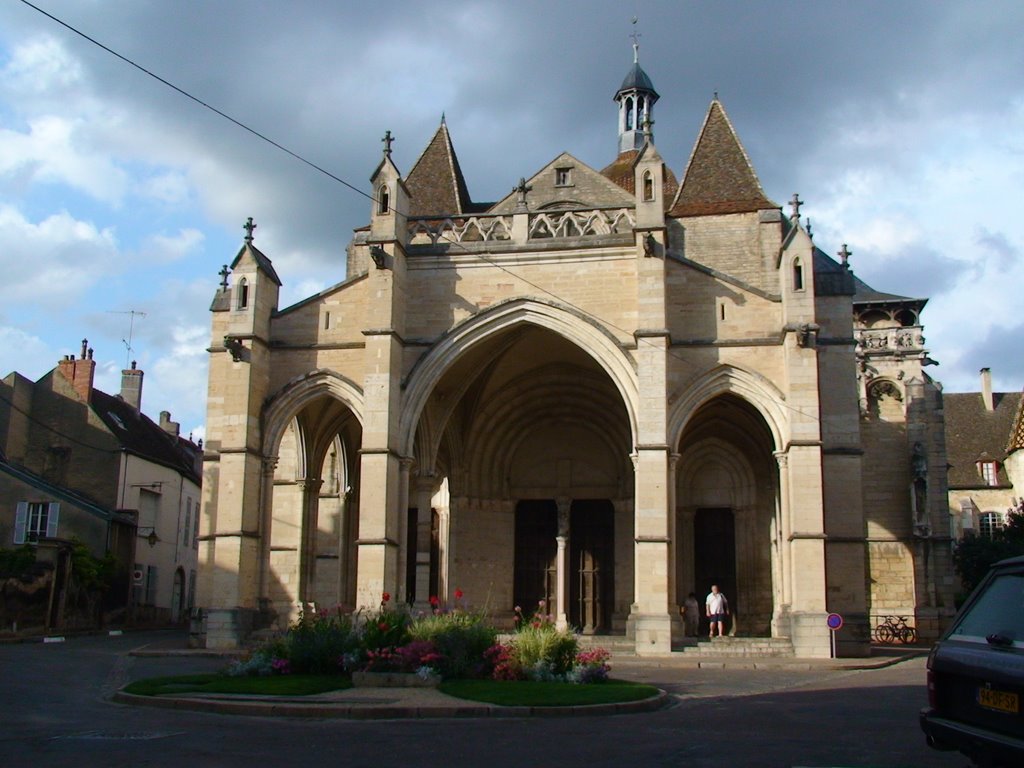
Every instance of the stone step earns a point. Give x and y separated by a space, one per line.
741 646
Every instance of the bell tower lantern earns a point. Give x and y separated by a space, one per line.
635 97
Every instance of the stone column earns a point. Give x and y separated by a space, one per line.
783 595
307 539
424 496
404 468
562 539
266 529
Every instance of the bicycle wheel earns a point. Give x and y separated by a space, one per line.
883 633
908 636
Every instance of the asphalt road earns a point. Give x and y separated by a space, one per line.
54 712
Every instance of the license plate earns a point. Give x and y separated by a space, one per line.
1000 701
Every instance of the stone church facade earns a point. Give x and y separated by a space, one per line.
605 391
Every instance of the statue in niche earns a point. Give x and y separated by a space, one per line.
919 478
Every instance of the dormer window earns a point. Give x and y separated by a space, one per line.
989 472
243 293
563 177
383 200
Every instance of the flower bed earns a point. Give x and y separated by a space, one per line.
393 647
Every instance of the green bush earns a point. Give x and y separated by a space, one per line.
318 644
461 639
15 562
543 650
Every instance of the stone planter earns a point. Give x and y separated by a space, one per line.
394 680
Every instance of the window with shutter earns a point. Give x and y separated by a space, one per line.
20 522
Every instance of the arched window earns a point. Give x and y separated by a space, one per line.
798 275
629 114
243 293
641 111
383 200
648 187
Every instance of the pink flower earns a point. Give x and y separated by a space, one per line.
383 626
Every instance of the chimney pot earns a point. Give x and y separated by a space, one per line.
986 389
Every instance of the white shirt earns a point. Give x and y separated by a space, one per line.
716 603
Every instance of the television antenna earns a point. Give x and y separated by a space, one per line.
131 329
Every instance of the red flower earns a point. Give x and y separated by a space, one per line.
458 594
434 601
385 597
383 626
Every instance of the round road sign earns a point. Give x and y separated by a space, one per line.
835 621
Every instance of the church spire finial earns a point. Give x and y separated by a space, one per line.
636 42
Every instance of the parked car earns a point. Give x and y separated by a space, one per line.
976 674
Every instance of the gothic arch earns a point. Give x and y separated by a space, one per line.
762 394
583 331
282 408
696 458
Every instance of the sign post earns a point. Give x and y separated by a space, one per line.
835 623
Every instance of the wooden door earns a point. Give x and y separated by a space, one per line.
591 565
534 577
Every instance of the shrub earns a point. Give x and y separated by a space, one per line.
460 639
317 644
544 649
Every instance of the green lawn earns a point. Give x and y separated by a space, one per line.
536 694
275 685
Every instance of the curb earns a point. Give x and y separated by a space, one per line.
397 712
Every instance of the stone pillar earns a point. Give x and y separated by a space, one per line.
404 467
307 539
266 530
783 597
561 572
424 496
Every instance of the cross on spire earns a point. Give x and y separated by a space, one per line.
224 272
248 227
794 205
636 42
389 139
844 254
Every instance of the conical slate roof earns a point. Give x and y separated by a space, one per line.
636 79
719 178
435 183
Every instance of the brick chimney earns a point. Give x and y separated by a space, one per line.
79 372
986 389
172 428
131 386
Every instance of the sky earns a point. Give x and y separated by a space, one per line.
900 124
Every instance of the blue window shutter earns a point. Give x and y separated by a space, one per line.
20 522
51 519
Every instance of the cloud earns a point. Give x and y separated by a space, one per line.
168 248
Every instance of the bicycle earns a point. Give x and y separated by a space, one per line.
893 629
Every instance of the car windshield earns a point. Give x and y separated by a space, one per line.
999 611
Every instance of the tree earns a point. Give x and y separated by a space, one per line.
975 554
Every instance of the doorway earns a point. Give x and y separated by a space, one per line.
591 565
714 557
534 577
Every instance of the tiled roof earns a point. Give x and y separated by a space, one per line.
435 183
719 178
972 433
620 171
140 435
865 294
1016 441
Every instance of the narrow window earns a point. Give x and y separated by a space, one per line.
327 321
641 111
563 177
243 293
383 200
188 521
648 187
798 275
721 311
629 114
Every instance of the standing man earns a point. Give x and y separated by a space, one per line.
717 608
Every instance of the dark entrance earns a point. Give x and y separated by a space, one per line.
535 551
714 556
591 565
